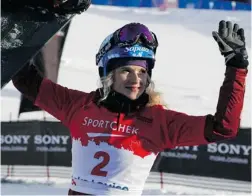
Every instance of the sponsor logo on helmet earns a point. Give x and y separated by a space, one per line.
102 52
139 54
136 49
111 56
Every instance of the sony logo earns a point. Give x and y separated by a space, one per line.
222 148
234 149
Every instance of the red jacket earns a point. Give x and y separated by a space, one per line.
177 128
129 144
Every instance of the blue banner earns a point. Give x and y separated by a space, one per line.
244 5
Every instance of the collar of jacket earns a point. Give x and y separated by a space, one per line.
118 103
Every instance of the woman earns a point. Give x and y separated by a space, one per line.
118 130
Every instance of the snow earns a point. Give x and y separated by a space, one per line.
174 184
60 188
188 72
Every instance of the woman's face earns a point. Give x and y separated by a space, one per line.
130 81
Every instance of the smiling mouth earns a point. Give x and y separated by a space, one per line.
133 88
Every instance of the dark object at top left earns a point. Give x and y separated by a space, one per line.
60 7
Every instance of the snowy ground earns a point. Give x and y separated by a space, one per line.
173 184
58 187
189 72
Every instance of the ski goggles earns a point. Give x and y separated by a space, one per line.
129 35
134 33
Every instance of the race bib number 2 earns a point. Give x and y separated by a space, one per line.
97 170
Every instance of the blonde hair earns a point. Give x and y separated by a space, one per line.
155 97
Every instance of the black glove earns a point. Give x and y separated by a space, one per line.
231 41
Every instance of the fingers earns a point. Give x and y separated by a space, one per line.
236 28
222 29
226 28
241 34
216 36
229 28
218 39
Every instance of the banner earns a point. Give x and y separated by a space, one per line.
35 143
226 159
244 5
137 3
